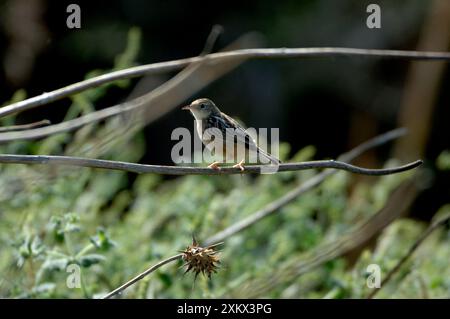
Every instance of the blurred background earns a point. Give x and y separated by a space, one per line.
331 103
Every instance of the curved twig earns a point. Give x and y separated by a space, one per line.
183 170
72 124
24 126
142 275
213 58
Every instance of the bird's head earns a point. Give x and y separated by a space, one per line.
202 108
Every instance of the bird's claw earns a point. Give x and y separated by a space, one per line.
214 166
240 165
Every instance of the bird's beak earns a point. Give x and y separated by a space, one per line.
186 108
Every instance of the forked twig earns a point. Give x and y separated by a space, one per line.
142 275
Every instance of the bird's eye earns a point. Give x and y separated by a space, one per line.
202 106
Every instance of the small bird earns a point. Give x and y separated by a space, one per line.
208 116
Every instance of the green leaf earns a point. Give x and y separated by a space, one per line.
102 240
165 279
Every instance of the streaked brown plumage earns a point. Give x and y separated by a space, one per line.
208 116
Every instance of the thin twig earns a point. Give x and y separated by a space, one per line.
71 124
274 206
184 170
142 275
216 31
214 58
435 225
24 126
193 249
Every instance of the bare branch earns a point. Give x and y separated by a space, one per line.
274 206
184 170
214 58
71 124
24 126
434 225
142 275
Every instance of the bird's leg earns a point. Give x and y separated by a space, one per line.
214 165
240 165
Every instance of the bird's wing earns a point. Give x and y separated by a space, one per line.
223 121
249 140
240 132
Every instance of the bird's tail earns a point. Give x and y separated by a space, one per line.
272 158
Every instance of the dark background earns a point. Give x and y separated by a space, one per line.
332 103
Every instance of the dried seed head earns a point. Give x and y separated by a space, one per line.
201 259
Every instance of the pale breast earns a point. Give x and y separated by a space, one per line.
199 128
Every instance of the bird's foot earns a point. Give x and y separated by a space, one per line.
215 166
240 165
